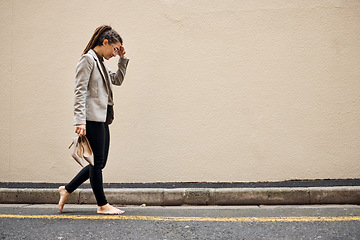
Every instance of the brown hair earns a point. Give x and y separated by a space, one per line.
101 33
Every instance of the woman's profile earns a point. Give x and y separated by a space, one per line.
93 109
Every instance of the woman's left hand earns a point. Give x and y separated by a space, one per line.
80 129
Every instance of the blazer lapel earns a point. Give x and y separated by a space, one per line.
91 51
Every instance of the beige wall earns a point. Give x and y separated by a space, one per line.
216 91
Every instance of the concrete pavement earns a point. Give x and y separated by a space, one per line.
191 196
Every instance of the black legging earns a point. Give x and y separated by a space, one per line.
99 139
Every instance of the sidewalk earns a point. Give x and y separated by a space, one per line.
177 194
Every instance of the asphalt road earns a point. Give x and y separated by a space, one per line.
225 222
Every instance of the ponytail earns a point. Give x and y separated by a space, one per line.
101 33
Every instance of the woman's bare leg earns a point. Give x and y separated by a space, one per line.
63 197
108 209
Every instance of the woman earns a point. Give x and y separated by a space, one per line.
93 109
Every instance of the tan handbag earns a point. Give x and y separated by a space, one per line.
81 151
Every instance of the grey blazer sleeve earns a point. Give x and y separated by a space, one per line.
118 77
83 72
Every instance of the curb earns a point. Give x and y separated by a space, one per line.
191 196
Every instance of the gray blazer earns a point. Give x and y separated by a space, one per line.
91 98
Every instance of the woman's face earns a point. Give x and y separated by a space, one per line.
111 49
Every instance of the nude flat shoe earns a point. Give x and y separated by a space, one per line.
77 151
87 151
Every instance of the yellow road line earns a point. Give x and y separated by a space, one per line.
197 219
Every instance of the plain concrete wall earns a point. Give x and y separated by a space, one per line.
215 90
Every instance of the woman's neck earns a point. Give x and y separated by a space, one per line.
98 50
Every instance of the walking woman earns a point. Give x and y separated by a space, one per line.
93 109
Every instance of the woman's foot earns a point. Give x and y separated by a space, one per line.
108 209
63 197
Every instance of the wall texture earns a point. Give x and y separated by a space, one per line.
216 91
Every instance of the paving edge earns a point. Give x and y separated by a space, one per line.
191 196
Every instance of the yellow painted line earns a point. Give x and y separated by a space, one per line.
196 219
